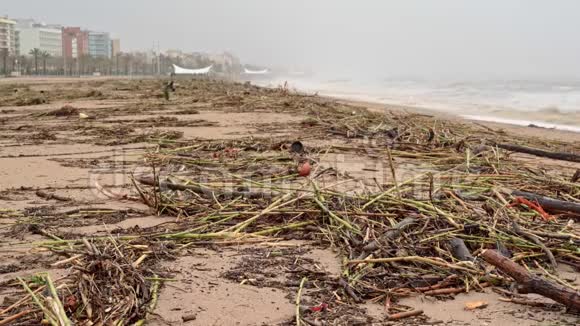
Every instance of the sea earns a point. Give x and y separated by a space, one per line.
545 104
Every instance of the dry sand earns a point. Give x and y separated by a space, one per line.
70 157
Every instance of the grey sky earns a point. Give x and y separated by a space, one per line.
444 38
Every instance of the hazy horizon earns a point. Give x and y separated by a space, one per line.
508 39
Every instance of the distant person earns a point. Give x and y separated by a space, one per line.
169 87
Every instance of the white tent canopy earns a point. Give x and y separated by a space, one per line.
183 71
255 72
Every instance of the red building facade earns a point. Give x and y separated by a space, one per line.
75 42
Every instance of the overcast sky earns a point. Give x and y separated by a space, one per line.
443 38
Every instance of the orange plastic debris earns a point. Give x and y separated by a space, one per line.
535 206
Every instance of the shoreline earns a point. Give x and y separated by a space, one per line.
541 132
528 128
483 118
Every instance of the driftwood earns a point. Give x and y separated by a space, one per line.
531 303
541 153
537 241
549 204
342 282
405 314
207 192
10 319
445 291
49 196
459 250
391 234
531 283
576 176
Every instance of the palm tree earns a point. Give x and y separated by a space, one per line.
45 55
117 57
35 53
128 64
22 64
4 61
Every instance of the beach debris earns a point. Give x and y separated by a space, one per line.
110 194
304 169
44 134
472 305
405 314
83 115
419 230
94 93
539 152
349 290
528 283
65 111
309 122
30 101
189 317
437 221
320 307
298 299
551 204
186 111
391 235
297 147
459 250
49 196
109 282
535 206
576 176
531 303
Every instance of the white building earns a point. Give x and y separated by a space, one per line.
8 39
172 53
40 36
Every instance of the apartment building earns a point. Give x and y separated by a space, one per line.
34 35
99 45
75 42
115 47
8 36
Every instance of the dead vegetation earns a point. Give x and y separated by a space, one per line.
417 224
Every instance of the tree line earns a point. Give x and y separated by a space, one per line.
38 62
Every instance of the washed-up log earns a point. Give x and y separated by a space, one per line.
576 176
349 290
531 303
391 234
48 196
446 291
19 315
405 314
541 153
537 241
202 190
459 250
549 204
533 284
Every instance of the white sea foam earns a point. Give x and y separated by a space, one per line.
522 122
545 104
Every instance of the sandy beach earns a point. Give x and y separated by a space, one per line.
193 210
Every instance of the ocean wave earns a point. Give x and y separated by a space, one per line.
553 103
555 110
